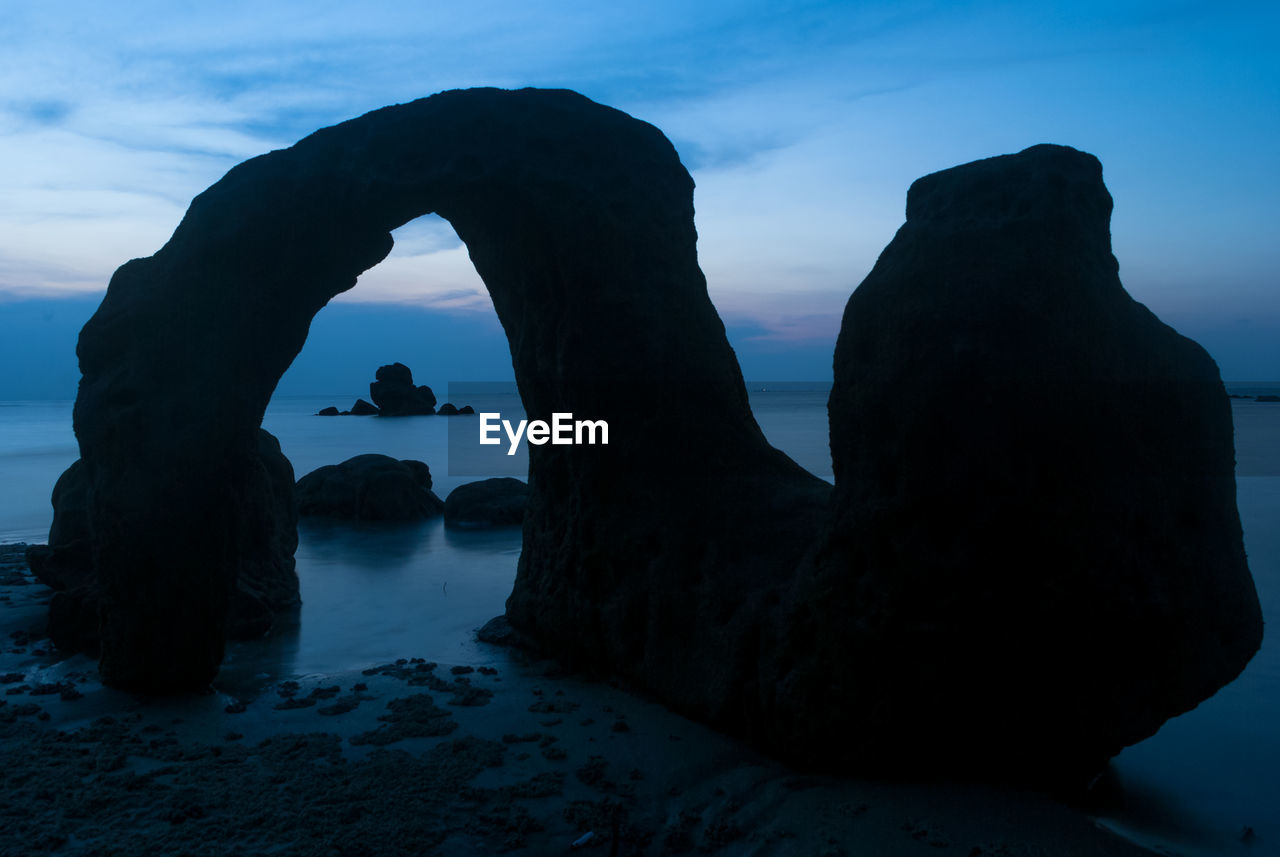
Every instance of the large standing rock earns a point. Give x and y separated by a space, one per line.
1034 557
266 581
369 487
579 219
396 396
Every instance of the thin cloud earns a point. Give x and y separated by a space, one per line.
424 236
21 279
456 300
43 111
796 329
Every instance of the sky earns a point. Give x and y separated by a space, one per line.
802 123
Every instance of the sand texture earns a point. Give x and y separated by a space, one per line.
416 758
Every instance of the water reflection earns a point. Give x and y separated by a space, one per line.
486 539
252 664
1147 812
367 544
374 592
1217 767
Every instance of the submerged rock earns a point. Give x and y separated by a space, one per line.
369 488
488 503
1034 557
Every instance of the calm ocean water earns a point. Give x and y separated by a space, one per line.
373 593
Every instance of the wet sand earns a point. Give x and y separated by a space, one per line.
515 756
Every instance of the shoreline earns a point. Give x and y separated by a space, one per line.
412 758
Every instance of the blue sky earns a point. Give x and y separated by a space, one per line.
802 123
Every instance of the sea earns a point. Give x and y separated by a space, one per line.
1207 783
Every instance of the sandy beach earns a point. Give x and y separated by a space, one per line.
419 758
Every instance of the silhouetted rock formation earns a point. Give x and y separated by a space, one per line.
579 219
449 409
396 396
1034 556
393 394
369 488
266 583
488 503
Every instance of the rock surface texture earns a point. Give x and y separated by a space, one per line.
498 502
266 583
369 488
1034 556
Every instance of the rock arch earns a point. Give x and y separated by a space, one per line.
579 219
